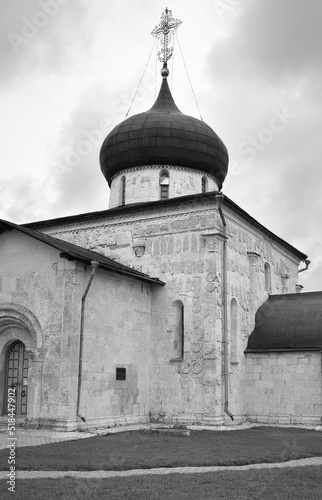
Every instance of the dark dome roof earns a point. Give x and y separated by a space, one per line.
164 136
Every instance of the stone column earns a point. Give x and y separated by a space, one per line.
253 259
35 394
213 350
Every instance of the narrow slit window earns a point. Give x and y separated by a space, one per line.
267 272
177 327
204 184
123 189
182 331
233 332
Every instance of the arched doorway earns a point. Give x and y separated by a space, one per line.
17 375
21 350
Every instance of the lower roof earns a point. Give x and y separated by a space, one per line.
288 322
75 252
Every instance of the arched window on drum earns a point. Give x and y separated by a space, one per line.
204 184
164 181
123 190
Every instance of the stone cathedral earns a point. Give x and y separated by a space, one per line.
174 305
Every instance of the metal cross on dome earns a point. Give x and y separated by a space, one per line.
164 31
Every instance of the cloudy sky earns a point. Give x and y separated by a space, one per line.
70 69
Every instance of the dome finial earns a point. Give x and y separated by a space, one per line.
164 70
164 32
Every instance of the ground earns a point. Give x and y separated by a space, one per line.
146 450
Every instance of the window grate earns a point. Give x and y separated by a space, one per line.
164 192
120 373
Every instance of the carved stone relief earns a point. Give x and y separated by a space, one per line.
139 248
210 351
175 225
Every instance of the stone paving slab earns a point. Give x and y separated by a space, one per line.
28 437
101 474
36 437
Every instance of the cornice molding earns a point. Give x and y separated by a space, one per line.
137 211
168 167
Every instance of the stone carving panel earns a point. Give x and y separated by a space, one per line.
210 351
139 251
175 225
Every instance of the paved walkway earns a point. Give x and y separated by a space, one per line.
102 474
36 437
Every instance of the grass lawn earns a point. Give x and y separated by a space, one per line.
134 450
277 484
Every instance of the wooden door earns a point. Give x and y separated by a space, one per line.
17 376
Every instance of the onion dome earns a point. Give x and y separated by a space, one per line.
164 136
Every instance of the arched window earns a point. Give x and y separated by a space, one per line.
176 326
204 184
233 332
123 188
267 271
164 184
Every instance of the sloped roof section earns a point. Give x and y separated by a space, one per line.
291 322
74 252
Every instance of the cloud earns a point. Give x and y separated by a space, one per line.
40 36
80 72
100 100
271 40
24 198
288 34
75 154
271 60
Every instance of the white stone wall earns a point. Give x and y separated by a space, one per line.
248 251
33 278
143 184
180 246
117 328
284 388
117 334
